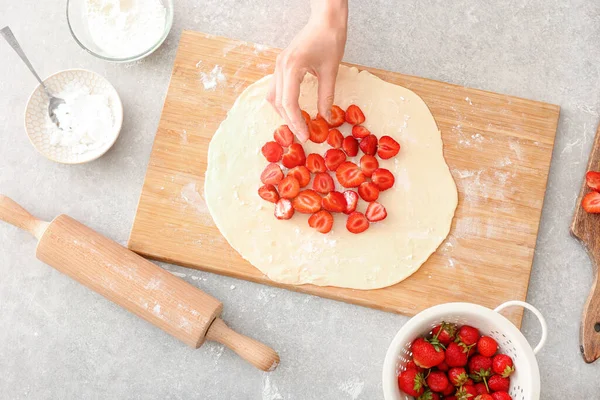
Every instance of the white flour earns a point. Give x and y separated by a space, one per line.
85 120
125 28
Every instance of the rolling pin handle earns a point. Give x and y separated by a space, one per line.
16 215
261 356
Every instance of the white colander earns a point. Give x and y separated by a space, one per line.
524 382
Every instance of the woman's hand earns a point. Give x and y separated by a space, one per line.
317 49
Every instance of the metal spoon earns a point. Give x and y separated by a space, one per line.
54 101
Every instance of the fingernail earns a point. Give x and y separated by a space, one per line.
328 116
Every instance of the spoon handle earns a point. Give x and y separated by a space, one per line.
10 38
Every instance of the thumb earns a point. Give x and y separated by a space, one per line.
326 93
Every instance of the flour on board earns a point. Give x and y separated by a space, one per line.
212 79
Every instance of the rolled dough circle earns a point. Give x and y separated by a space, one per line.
420 206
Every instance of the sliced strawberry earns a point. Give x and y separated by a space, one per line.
591 203
592 179
272 174
368 164
322 221
334 202
357 222
272 151
294 156
306 116
375 212
315 163
323 183
307 202
359 131
388 147
284 209
268 193
337 116
368 191
368 145
301 173
351 201
350 146
289 187
335 138
349 175
333 158
354 115
383 178
284 136
318 130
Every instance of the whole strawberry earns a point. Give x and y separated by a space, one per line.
443 366
484 396
502 365
481 388
427 355
437 381
497 383
429 395
486 346
480 367
466 392
457 376
456 356
449 390
411 382
411 365
501 396
445 333
468 335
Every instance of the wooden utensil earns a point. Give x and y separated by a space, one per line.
134 283
498 148
586 228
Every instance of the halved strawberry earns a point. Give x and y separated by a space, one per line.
357 222
375 212
307 202
268 193
306 116
333 158
272 151
592 178
301 173
293 156
334 202
349 175
368 191
354 115
323 183
351 201
335 138
284 209
368 164
337 116
350 146
322 221
383 178
284 136
368 145
318 130
359 131
289 187
388 147
315 163
591 203
272 174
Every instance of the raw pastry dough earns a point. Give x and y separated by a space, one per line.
420 205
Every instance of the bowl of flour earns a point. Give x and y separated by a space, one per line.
89 121
120 30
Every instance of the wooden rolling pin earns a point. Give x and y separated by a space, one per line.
134 283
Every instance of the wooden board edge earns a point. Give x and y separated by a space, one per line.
582 192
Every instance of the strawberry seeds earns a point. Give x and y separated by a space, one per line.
287 176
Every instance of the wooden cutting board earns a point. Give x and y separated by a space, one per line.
498 148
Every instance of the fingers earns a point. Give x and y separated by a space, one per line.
326 92
291 92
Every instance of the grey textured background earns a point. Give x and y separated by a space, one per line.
60 341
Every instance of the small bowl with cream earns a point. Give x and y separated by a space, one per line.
120 30
89 121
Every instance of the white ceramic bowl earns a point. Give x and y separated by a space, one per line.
525 381
36 115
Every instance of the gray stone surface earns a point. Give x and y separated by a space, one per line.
60 341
